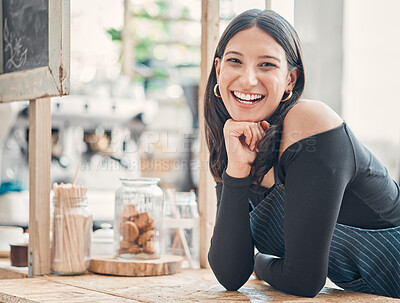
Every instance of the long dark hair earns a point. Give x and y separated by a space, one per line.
214 109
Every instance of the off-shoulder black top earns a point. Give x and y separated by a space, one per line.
329 178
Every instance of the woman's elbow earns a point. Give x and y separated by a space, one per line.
232 278
310 288
231 283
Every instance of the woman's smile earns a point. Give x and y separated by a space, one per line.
247 99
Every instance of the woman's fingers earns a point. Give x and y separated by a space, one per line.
260 130
234 129
256 135
239 136
260 135
251 132
264 125
247 132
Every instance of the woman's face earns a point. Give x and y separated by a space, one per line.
253 75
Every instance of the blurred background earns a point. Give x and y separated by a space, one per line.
135 69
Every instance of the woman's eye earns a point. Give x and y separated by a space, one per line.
233 60
267 64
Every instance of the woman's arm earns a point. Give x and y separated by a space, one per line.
313 195
231 253
316 176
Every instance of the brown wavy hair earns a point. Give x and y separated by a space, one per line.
214 109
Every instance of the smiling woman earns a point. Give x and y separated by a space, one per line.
266 63
292 178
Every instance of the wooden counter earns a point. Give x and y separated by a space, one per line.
187 286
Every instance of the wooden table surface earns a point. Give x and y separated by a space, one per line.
187 286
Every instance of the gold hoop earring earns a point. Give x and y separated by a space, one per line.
288 97
215 91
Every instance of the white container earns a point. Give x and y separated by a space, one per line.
9 234
102 241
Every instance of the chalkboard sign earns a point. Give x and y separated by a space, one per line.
25 34
34 49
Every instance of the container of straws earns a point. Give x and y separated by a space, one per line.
72 228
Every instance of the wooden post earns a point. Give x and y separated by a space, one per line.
268 4
39 186
127 51
1 38
206 196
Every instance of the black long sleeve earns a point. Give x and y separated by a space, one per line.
321 174
231 254
315 183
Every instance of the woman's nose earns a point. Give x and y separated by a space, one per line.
249 77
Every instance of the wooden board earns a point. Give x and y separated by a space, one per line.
39 186
207 198
165 265
186 286
11 272
44 291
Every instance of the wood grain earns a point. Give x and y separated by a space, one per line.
41 290
206 192
165 265
187 286
39 185
11 272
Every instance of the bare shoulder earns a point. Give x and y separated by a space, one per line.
306 119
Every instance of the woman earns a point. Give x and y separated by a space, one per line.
292 179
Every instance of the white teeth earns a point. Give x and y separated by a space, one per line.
247 96
245 102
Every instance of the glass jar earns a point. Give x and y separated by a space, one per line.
138 218
71 235
181 227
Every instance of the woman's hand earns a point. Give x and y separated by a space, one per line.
241 139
